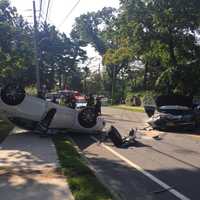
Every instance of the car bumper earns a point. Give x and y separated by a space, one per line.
167 124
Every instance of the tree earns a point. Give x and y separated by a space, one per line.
59 55
15 44
161 33
59 58
90 28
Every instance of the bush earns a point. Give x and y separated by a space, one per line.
133 101
31 90
144 98
149 99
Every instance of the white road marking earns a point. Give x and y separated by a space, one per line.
150 176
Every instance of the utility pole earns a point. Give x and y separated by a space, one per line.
36 51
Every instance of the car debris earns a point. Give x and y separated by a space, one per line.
118 140
132 139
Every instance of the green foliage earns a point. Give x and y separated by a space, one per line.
31 90
94 84
145 45
147 97
118 56
82 181
129 108
89 28
15 43
162 35
58 58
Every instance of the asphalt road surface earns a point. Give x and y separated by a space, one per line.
164 169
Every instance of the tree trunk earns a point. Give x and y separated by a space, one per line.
60 80
113 83
172 53
145 76
171 48
173 61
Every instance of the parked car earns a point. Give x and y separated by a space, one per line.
80 102
104 100
52 97
64 95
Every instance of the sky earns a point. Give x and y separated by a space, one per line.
59 9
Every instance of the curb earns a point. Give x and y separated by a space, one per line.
116 195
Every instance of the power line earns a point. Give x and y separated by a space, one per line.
49 1
50 7
69 13
40 11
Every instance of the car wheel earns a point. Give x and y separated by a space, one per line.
87 117
12 94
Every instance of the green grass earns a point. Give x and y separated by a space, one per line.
130 108
82 181
5 128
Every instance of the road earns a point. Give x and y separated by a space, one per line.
163 169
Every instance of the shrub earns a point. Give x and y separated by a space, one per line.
141 98
31 90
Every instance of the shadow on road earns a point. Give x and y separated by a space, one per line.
128 183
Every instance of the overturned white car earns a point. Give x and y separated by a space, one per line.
33 113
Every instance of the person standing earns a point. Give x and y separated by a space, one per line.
98 106
53 99
67 101
90 100
73 102
62 100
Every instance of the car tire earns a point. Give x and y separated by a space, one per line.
115 136
87 117
12 94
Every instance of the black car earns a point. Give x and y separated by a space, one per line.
173 112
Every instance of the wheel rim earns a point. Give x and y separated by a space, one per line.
12 94
87 117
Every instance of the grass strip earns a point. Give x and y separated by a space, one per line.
5 128
130 108
82 181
